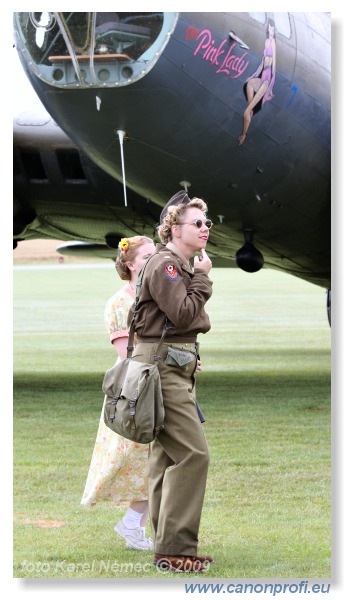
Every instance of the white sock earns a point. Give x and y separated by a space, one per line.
132 519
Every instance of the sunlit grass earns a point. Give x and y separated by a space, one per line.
265 391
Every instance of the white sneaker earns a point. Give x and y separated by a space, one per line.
135 538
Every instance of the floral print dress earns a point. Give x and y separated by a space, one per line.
118 469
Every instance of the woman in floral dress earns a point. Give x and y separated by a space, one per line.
118 469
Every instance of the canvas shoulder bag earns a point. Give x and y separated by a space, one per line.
133 398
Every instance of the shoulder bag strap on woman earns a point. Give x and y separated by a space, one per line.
130 347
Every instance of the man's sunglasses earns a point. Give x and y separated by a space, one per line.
198 222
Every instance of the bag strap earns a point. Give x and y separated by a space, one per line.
166 327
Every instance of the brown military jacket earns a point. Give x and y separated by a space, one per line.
171 288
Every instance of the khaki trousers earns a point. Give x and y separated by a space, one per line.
178 459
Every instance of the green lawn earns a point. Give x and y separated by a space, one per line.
265 390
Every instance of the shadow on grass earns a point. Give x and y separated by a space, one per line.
70 404
83 392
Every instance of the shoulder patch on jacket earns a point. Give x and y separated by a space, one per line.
171 271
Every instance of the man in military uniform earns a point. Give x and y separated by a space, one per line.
178 458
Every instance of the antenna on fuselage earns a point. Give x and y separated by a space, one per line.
185 185
121 135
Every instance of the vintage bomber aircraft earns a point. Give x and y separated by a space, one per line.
232 107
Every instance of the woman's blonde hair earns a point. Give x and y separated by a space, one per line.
175 215
134 243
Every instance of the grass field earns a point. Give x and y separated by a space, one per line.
265 391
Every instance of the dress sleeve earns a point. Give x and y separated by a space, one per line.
115 316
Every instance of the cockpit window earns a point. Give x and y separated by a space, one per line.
260 17
282 24
92 49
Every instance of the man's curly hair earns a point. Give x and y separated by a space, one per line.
175 215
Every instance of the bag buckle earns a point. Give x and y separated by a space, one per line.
113 404
132 406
